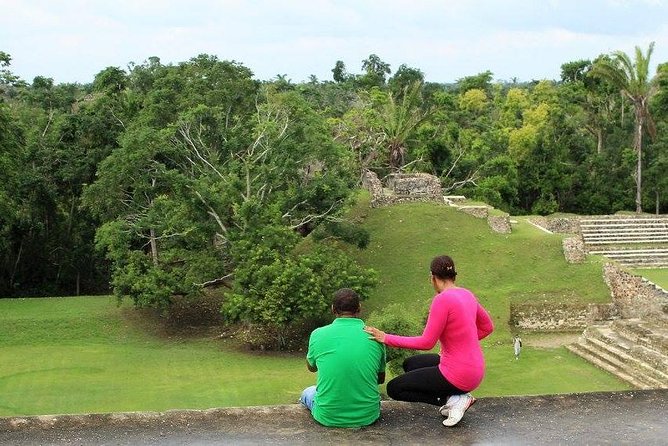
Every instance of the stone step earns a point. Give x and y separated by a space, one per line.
641 262
655 239
616 241
653 335
631 252
646 262
610 232
632 358
649 224
586 354
591 232
601 353
622 221
638 260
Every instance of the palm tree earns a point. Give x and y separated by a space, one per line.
633 81
400 117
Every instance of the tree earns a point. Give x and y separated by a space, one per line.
482 81
376 72
339 72
7 78
400 118
632 78
575 71
403 78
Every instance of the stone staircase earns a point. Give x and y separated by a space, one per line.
635 350
640 242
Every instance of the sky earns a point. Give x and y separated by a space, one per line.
72 40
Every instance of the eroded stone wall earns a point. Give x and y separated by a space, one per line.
574 249
402 188
500 223
415 184
634 296
561 225
475 211
546 316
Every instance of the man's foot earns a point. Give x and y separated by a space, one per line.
458 408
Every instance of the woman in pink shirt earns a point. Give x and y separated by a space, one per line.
458 321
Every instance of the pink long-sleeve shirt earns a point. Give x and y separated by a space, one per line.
459 322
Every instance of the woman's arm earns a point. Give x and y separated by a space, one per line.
483 323
432 331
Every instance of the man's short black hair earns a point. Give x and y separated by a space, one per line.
346 301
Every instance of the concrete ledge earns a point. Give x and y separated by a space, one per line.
636 417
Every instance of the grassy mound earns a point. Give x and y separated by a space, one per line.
525 266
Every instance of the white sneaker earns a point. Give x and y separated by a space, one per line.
445 409
458 409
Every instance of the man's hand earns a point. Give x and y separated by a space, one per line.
311 368
375 333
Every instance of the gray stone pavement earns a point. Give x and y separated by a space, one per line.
634 417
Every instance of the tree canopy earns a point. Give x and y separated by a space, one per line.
163 181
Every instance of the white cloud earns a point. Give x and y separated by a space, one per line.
73 40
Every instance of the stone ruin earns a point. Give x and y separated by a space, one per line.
416 184
401 188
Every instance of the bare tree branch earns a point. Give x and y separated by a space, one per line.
219 281
470 179
212 213
117 118
309 218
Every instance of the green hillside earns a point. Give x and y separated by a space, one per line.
86 354
525 266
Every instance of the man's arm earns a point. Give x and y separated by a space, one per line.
310 354
382 365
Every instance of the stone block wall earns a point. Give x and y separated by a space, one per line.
603 312
574 250
475 211
500 223
371 183
561 225
415 184
634 296
402 188
546 316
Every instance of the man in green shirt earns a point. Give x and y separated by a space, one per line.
350 366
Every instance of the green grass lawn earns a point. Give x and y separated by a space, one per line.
86 354
74 355
658 276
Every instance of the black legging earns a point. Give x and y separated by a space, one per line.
422 382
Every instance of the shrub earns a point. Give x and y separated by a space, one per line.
396 319
282 291
344 231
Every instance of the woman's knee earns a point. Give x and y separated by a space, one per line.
420 361
395 388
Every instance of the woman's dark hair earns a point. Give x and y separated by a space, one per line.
346 301
443 267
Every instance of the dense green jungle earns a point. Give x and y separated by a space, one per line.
168 184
